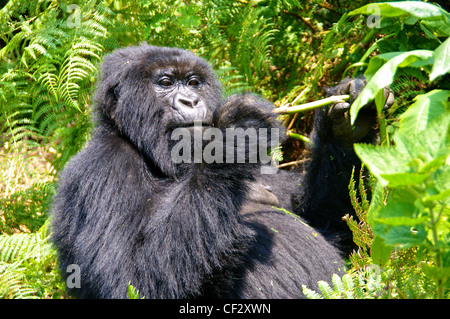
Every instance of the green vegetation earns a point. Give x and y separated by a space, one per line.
284 50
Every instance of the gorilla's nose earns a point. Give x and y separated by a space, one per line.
182 101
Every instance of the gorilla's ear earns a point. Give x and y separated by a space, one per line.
118 73
107 93
112 71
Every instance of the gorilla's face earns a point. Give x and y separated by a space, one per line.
185 95
146 92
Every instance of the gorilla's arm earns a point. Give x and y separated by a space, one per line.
182 260
324 195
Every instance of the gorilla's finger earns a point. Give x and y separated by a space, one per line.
355 87
389 97
338 110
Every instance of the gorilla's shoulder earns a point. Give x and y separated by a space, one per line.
103 153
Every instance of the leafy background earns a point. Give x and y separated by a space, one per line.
285 50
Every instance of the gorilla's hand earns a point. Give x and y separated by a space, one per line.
246 111
252 121
340 116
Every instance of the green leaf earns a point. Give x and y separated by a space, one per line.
441 57
434 142
380 251
426 108
383 161
439 191
189 16
380 76
441 196
400 214
400 235
404 179
430 15
417 9
430 147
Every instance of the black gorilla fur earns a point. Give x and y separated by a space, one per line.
124 212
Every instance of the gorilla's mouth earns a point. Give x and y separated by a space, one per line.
194 124
198 124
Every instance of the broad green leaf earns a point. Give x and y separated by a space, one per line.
434 142
404 179
441 196
441 57
426 108
429 147
189 16
384 76
378 61
400 214
400 235
439 190
430 15
380 251
426 152
433 165
417 9
383 160
380 101
402 194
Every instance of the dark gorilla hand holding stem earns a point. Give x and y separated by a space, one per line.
126 212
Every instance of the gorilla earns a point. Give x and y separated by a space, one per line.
126 211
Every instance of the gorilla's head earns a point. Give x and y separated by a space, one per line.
145 92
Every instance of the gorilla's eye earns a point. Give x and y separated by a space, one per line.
165 82
194 81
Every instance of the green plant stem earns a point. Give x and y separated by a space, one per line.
312 105
298 136
434 221
383 135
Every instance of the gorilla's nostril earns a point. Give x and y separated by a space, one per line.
186 102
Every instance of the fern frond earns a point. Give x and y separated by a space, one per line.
369 286
349 287
15 251
338 285
311 294
326 290
17 246
47 76
12 286
253 42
